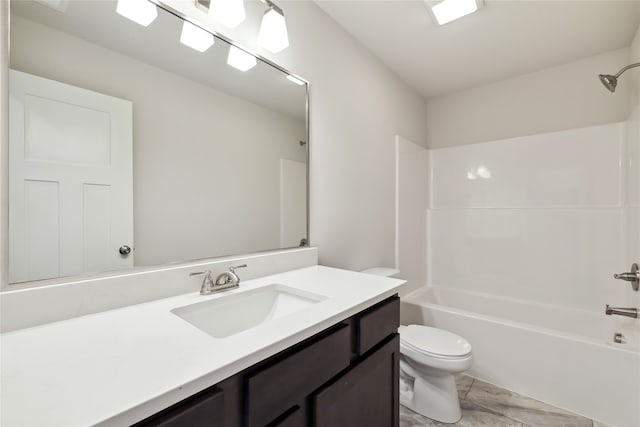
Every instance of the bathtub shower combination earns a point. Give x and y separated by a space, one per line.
524 237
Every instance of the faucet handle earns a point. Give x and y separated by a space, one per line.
632 276
200 273
233 269
207 281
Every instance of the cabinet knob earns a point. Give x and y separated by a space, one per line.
124 250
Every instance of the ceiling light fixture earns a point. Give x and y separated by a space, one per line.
295 80
195 37
229 13
273 30
446 11
240 59
142 12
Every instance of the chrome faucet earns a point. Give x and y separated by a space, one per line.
229 278
621 311
632 276
225 280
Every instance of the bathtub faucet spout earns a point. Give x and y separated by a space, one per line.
621 311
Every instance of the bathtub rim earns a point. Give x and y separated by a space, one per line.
412 298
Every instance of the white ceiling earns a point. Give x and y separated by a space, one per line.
505 38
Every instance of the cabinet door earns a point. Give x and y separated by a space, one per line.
366 395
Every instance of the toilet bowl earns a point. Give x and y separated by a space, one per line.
429 359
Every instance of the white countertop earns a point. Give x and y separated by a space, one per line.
120 366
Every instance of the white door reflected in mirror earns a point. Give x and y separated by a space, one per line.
70 175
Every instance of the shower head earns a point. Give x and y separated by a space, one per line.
610 82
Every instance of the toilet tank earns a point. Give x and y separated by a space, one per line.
382 271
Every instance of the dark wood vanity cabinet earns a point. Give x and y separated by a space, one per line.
347 375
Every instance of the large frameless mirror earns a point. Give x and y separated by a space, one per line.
136 145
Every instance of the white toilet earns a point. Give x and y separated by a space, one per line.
429 359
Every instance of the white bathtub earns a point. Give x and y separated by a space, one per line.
560 356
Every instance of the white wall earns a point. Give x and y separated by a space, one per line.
539 218
4 142
568 96
412 201
357 106
192 148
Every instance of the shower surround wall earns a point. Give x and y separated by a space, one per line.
541 218
633 168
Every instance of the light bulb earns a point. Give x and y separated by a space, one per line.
142 12
273 31
240 59
195 37
229 13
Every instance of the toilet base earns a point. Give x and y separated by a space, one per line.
436 398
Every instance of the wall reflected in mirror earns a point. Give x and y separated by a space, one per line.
130 148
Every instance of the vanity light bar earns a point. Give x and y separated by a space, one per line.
142 12
240 59
273 34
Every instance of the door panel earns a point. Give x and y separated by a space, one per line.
58 132
97 222
41 227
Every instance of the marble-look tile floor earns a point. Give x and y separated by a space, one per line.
484 404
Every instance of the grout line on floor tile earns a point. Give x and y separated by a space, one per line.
473 380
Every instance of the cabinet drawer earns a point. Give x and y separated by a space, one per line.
377 323
282 385
202 410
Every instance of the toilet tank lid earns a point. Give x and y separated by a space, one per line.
382 271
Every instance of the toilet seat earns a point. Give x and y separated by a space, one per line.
433 342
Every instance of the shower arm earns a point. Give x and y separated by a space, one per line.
637 64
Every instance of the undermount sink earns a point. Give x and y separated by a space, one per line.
234 313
